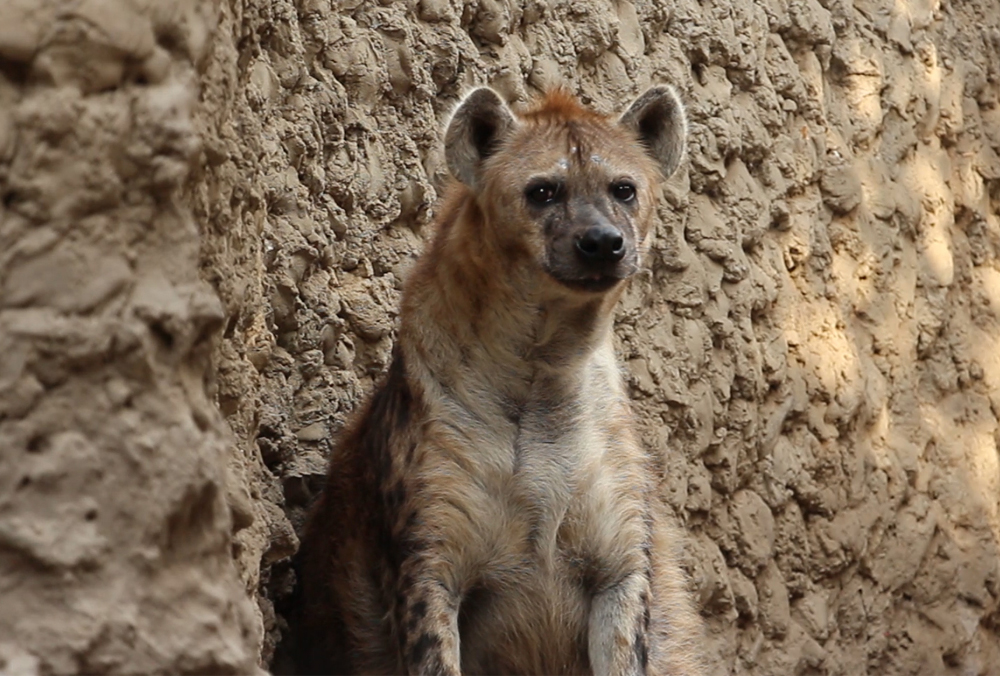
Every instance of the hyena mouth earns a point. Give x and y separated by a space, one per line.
593 284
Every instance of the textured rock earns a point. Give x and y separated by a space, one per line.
115 530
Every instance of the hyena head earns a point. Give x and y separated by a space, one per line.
565 189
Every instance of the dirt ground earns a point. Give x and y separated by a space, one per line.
207 211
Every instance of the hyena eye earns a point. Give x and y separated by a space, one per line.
623 191
541 194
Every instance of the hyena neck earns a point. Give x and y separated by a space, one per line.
491 307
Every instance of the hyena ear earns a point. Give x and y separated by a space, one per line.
657 118
477 127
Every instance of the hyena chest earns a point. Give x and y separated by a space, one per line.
532 564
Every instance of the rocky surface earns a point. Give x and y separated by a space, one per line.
208 209
115 527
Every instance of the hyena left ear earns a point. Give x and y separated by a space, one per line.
480 123
657 119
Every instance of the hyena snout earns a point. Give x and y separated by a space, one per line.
600 245
593 254
591 251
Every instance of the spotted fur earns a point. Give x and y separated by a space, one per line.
490 510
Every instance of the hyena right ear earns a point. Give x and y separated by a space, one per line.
477 127
657 118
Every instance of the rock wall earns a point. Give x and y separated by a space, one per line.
115 525
814 347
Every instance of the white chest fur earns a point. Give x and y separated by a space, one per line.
522 468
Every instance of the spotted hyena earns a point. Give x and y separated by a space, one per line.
490 509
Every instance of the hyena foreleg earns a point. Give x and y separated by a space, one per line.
619 620
427 612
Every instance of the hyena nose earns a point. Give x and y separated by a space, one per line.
601 244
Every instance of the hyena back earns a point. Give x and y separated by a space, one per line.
490 509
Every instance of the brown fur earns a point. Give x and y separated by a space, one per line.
490 509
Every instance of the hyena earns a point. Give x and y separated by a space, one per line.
490 510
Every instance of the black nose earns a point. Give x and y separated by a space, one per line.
601 244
